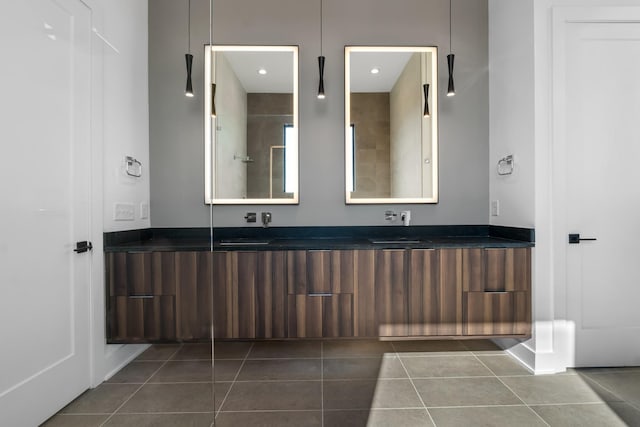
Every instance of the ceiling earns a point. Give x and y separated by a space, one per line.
390 65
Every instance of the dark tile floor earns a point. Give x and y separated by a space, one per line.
351 383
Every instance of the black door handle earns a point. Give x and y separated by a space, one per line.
83 246
575 238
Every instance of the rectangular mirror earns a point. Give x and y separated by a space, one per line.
391 124
251 124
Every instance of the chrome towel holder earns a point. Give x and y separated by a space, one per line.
506 165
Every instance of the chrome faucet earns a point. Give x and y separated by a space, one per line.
266 219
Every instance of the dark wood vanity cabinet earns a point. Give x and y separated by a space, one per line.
250 299
434 289
448 292
320 293
141 300
497 291
408 292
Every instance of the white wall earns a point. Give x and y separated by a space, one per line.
520 46
120 127
126 109
511 96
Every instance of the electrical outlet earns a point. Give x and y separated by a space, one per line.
144 210
124 212
495 208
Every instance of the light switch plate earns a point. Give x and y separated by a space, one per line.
495 208
124 212
144 210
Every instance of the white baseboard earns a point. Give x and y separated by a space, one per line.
554 360
133 350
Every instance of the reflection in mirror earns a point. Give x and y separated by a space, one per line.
391 144
251 127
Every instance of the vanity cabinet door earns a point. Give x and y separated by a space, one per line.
497 291
380 293
271 295
320 316
194 299
320 293
435 292
141 305
391 292
250 294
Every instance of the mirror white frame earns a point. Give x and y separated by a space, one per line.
428 131
211 123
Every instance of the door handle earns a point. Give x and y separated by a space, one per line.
82 247
575 238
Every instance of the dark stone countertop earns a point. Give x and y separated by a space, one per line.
318 238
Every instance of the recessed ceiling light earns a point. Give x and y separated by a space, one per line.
375 70
262 71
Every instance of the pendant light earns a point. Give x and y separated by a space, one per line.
321 61
425 89
189 57
451 90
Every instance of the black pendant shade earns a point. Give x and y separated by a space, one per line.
321 84
451 89
189 90
425 89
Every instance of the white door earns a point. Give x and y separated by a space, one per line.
44 185
597 140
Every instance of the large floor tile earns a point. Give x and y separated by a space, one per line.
194 351
445 366
280 369
232 349
625 384
366 368
70 420
585 415
502 365
136 372
103 399
286 350
377 418
429 348
195 397
552 389
495 416
629 414
159 352
161 420
270 419
356 348
184 371
277 395
367 394
441 392
482 347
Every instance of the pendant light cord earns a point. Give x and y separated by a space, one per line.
189 27
450 15
321 27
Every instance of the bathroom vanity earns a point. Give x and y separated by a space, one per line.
317 282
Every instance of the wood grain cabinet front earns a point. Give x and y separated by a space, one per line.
141 296
250 296
497 291
320 293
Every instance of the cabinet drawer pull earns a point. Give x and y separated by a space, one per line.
320 294
141 296
496 292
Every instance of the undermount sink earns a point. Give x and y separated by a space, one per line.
242 241
396 241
